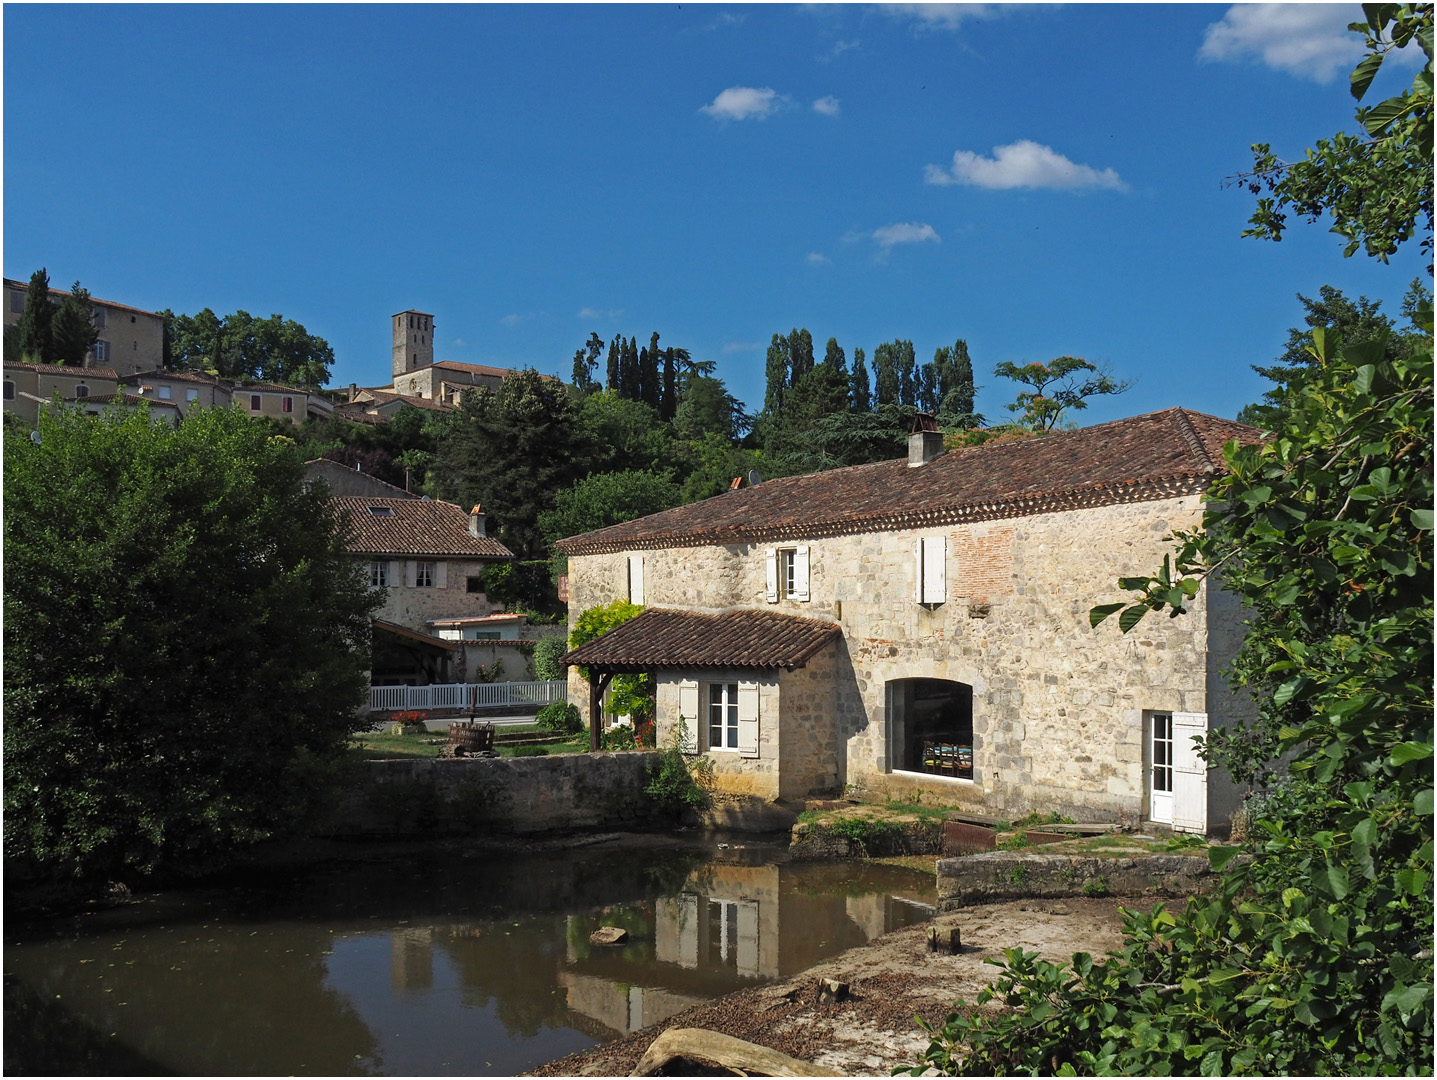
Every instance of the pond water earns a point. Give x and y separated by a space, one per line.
440 962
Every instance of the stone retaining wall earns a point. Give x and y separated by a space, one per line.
463 796
1015 875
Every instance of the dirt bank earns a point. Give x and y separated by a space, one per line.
893 978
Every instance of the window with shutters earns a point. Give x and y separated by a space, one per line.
426 575
786 574
723 716
379 573
82 391
931 569
288 405
254 402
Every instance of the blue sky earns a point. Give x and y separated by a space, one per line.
1039 180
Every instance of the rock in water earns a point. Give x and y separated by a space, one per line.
608 935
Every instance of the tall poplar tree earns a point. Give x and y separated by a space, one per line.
885 374
860 393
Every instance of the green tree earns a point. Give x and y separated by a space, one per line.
247 349
1062 384
586 363
1392 155
710 464
1353 322
707 408
776 373
614 434
73 332
800 355
512 450
34 324
185 639
955 380
887 377
629 695
607 499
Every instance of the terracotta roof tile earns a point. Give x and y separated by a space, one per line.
1159 455
127 399
658 638
60 369
60 294
413 527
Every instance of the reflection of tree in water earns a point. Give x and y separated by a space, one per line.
194 1000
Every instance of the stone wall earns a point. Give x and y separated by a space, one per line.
413 606
1059 708
510 796
1013 875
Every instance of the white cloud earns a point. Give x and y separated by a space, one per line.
743 102
599 313
742 346
839 48
512 320
1307 40
904 233
826 105
1023 164
459 343
939 16
817 258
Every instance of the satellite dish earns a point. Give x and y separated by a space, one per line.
35 437
754 479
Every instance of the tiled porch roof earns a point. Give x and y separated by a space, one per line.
659 638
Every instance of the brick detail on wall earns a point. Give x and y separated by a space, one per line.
983 561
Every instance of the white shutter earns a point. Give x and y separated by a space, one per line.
1189 774
636 579
411 573
396 571
747 952
689 712
918 571
800 573
933 570
748 719
441 574
770 578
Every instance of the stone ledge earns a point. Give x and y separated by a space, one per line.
1013 875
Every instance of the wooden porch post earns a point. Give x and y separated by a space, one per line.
597 685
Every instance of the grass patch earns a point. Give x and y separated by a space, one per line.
918 810
382 746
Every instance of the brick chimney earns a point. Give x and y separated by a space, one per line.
476 521
925 442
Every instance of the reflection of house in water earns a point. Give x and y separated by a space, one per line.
411 959
728 927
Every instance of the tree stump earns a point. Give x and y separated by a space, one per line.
945 939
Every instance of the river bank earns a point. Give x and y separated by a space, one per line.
892 979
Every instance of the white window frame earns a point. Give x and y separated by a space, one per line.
379 573
724 698
1160 767
101 350
636 579
164 392
426 574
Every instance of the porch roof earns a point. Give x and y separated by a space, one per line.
414 635
659 638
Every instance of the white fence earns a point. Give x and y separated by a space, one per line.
466 695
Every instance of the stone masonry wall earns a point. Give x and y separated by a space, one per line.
464 796
1058 707
411 607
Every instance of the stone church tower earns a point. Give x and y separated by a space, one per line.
413 341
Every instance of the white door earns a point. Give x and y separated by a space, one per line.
1189 774
1160 773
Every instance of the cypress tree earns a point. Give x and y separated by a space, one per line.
611 372
629 371
860 395
669 401
958 396
649 387
833 356
34 325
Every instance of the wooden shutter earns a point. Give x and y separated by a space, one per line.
411 573
932 565
1189 774
441 574
689 712
800 573
748 719
636 579
770 576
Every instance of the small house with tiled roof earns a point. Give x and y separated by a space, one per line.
186 389
30 387
921 626
427 559
282 402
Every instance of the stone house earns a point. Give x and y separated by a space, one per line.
131 339
30 387
921 626
185 389
282 402
427 558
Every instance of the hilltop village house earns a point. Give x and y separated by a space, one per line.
921 625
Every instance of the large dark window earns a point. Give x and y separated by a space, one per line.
930 727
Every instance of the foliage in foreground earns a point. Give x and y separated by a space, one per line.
1316 957
676 784
185 640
